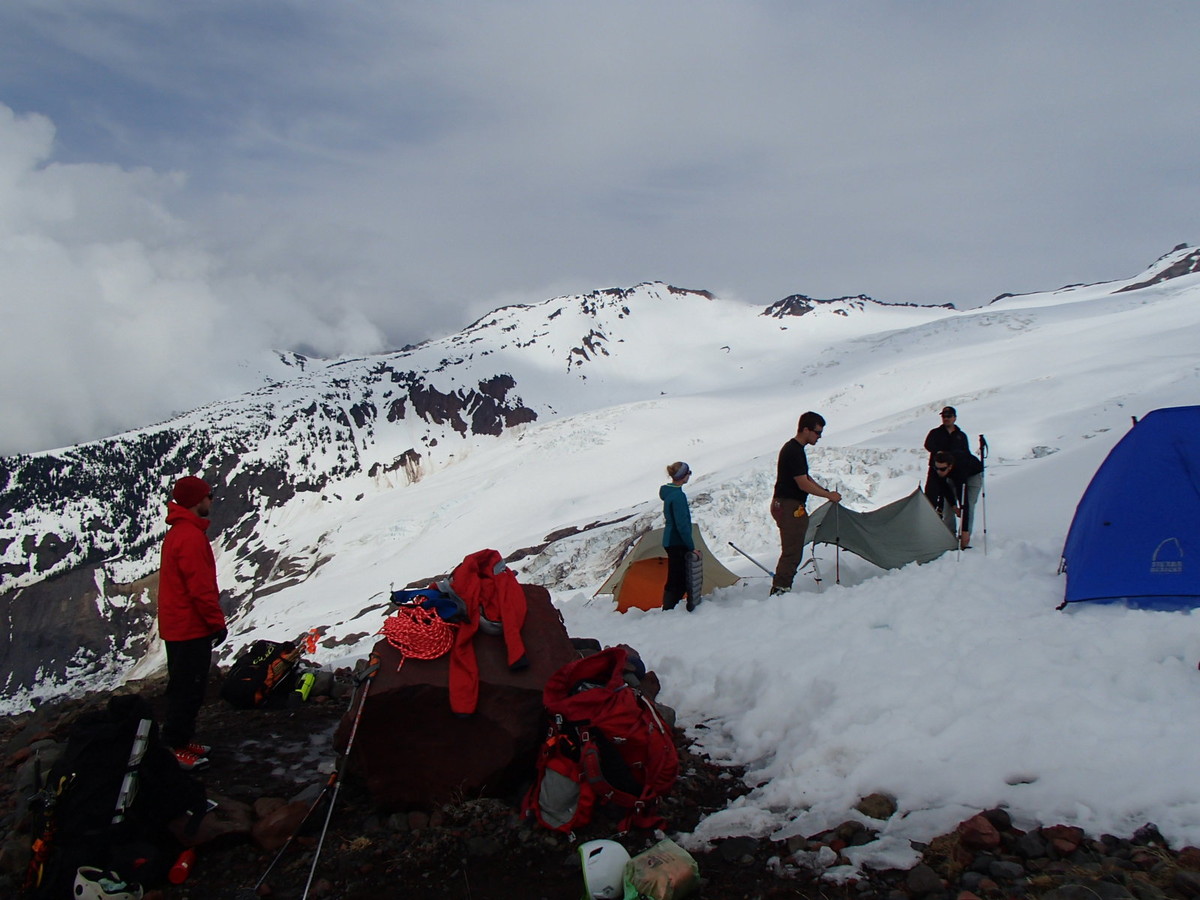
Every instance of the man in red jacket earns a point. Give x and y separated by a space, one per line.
190 619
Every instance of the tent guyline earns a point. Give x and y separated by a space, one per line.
812 561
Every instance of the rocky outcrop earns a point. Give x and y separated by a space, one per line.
797 305
802 305
1186 264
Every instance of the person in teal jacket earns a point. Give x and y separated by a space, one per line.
677 536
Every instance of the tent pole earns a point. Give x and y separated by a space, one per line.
751 558
837 543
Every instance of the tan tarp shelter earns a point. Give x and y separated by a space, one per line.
639 580
892 536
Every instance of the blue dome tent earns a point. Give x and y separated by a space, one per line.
1135 537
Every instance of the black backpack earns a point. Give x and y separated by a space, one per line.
107 801
262 675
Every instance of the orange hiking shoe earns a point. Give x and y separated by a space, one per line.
189 761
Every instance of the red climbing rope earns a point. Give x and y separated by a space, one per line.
418 633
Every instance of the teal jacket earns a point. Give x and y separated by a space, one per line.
679 519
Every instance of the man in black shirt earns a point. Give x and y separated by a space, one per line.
792 487
947 436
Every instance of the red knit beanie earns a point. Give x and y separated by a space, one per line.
189 491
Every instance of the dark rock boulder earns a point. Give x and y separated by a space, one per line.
413 752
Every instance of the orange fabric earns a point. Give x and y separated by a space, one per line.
188 599
498 596
642 586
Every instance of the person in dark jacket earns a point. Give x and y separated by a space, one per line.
677 536
947 436
957 480
792 487
190 619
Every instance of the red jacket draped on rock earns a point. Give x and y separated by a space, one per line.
188 604
487 587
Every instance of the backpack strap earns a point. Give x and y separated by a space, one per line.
642 809
589 759
129 785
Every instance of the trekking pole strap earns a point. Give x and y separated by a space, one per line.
368 671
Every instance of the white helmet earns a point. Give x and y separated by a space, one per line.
603 865
97 884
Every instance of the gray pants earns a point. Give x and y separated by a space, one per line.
974 487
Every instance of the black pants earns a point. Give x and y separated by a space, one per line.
676 576
188 663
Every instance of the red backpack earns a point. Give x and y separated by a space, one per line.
607 744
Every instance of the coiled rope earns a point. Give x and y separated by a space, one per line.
418 633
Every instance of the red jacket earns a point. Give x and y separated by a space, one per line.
488 587
188 605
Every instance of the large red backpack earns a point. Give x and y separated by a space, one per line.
607 744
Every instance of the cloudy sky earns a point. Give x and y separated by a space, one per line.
185 185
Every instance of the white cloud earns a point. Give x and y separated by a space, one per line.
114 312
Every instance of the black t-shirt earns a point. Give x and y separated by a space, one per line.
941 439
792 462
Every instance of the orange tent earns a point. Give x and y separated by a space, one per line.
639 580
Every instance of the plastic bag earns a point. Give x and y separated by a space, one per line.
664 872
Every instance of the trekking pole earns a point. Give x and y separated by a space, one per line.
961 518
364 680
328 786
983 452
751 558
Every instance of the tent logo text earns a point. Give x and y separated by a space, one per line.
1172 564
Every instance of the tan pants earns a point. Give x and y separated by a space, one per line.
790 517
